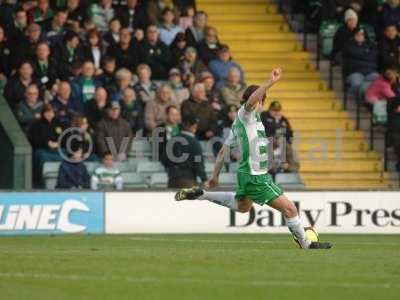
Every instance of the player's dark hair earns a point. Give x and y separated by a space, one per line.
248 92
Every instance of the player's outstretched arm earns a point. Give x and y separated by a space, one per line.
258 95
219 164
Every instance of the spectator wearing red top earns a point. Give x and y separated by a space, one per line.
382 88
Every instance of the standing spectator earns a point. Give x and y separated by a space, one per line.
178 48
168 28
185 172
5 57
195 34
344 34
220 66
390 13
94 109
116 130
186 19
155 110
208 47
181 93
125 51
45 68
197 106
73 173
107 176
389 49
132 16
107 78
155 54
14 91
55 28
360 61
66 54
132 110
168 130
394 127
101 14
232 91
94 50
41 12
29 110
65 105
382 88
145 88
84 86
191 64
111 38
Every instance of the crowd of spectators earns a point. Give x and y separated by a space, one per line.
114 69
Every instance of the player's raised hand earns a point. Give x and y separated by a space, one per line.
276 74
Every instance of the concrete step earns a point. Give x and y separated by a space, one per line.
337 155
341 166
283 55
328 134
265 46
327 124
351 176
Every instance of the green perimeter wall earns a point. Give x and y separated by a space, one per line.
15 152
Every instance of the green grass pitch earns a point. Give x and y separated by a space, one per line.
194 267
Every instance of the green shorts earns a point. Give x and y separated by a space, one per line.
259 188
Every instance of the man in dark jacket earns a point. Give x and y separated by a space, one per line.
113 133
95 108
45 68
360 61
132 16
187 162
390 14
125 52
394 126
199 107
72 173
389 49
155 54
132 110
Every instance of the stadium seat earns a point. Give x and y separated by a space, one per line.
50 168
232 168
148 167
133 180
125 167
207 149
327 32
158 180
91 166
227 180
289 180
140 148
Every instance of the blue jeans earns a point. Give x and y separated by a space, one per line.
354 80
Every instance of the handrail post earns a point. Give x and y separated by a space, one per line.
330 75
371 133
357 113
385 151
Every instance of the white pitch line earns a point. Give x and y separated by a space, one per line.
177 280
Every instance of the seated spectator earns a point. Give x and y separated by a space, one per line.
278 128
155 54
26 48
178 48
65 105
77 13
5 60
116 130
16 30
220 66
14 91
124 80
66 54
186 19
184 173
43 136
208 47
107 176
230 118
55 28
94 109
181 93
72 173
154 113
94 50
132 110
232 91
84 86
125 52
30 109
168 28
198 106
111 38
107 78
382 88
344 34
195 34
45 68
389 13
360 61
145 88
101 14
168 130
389 49
132 16
394 127
191 64
41 12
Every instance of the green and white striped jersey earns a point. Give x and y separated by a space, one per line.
248 133
106 178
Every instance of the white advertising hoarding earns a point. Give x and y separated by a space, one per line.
328 212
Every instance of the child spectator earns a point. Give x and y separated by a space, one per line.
382 88
107 176
73 173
